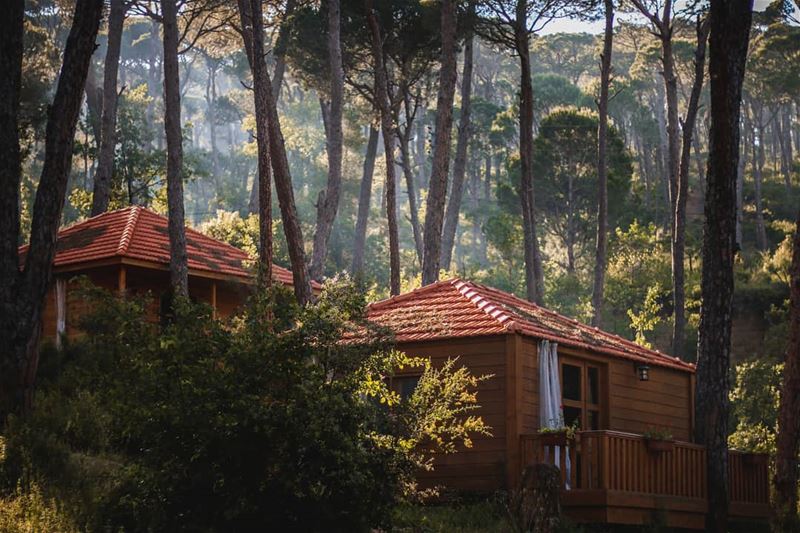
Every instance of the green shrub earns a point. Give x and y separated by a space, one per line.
277 419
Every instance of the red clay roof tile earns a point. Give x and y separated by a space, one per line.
456 308
137 233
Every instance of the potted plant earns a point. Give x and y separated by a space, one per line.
559 435
659 440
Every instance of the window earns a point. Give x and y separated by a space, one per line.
581 393
404 385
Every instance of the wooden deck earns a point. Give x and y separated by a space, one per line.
615 478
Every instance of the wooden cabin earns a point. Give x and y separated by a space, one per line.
613 389
128 251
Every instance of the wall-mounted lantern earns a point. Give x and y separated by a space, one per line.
643 371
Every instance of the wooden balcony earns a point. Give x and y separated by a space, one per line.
616 478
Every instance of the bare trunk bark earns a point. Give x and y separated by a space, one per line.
682 195
602 168
262 186
178 260
22 293
108 123
437 191
460 163
280 51
382 98
251 20
411 188
364 198
328 201
534 274
729 36
758 166
94 104
788 441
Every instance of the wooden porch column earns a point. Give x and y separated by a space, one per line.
214 299
122 279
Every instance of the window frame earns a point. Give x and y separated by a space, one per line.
583 404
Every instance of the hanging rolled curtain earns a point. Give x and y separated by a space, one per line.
61 309
551 414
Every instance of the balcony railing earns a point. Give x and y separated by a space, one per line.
613 461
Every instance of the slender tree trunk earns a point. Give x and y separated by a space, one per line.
460 163
602 168
364 198
262 186
682 195
279 54
729 36
382 98
280 51
251 20
758 166
534 274
411 187
328 201
178 261
786 460
22 293
437 192
108 123
211 119
94 104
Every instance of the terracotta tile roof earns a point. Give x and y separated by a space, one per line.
137 233
456 308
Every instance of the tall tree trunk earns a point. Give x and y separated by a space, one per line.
211 119
602 168
178 260
729 36
786 462
252 22
279 55
108 123
262 186
682 195
387 129
22 293
411 185
364 197
460 163
437 191
94 104
534 274
758 166
280 50
328 201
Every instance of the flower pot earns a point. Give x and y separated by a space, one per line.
660 445
554 438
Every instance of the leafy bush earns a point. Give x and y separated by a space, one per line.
278 419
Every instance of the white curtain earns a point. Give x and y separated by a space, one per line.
61 309
550 412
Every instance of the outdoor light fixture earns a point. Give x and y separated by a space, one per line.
643 371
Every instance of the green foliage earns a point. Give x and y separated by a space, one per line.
28 510
648 316
271 418
565 163
754 406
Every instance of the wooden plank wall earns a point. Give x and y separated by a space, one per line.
529 412
139 281
482 467
663 402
